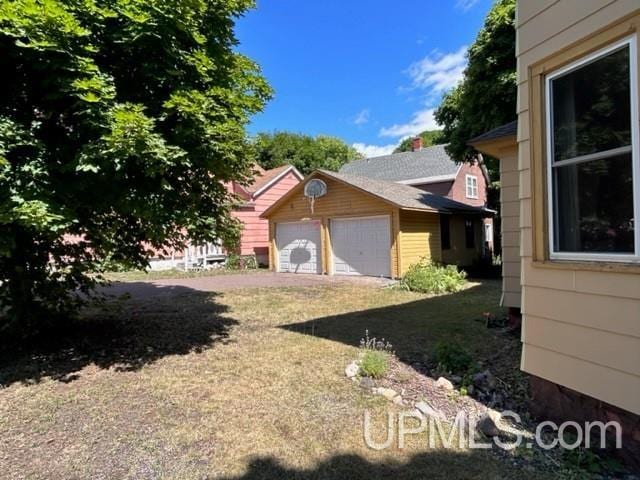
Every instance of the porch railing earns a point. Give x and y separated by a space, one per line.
204 256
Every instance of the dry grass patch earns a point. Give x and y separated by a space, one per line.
150 275
245 385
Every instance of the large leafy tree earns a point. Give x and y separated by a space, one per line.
429 138
486 97
305 152
119 122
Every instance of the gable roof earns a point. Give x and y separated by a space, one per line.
265 178
428 164
402 196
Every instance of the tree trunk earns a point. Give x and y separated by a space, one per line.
20 283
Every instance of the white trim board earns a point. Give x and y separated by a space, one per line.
425 180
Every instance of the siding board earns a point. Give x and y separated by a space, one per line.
419 237
607 384
607 349
510 210
581 327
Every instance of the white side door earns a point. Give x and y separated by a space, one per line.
361 246
298 246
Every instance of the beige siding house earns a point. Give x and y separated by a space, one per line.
577 186
501 143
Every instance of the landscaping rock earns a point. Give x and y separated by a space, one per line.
487 426
456 379
352 370
484 381
427 410
367 383
444 383
390 394
387 393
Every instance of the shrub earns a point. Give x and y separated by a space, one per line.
241 262
451 357
374 364
428 277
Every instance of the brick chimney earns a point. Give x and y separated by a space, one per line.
416 144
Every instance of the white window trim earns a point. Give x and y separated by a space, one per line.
488 232
471 182
635 155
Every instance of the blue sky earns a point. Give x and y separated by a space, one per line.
367 71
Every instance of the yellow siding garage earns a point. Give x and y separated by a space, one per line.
410 215
341 201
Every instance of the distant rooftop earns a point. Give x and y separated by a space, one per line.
400 167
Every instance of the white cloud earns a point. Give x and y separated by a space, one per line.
465 5
434 75
362 117
439 72
370 151
421 121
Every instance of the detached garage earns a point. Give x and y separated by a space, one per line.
340 224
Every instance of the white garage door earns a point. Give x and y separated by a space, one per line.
298 247
361 246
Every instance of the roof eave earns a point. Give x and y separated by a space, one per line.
495 146
425 210
427 180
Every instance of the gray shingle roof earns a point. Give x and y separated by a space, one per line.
398 167
405 196
507 130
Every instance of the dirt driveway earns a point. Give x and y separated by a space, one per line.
222 283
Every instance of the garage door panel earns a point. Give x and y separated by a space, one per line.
361 246
298 247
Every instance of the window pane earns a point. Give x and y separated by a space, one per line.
594 206
591 107
445 232
469 234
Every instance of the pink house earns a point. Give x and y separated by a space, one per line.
267 188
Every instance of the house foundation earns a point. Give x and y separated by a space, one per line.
550 401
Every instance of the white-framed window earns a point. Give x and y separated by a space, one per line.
488 232
472 186
593 158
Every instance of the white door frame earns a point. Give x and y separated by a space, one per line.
331 266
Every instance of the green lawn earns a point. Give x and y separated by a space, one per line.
248 384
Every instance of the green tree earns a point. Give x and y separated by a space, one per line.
486 97
305 152
429 138
119 122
